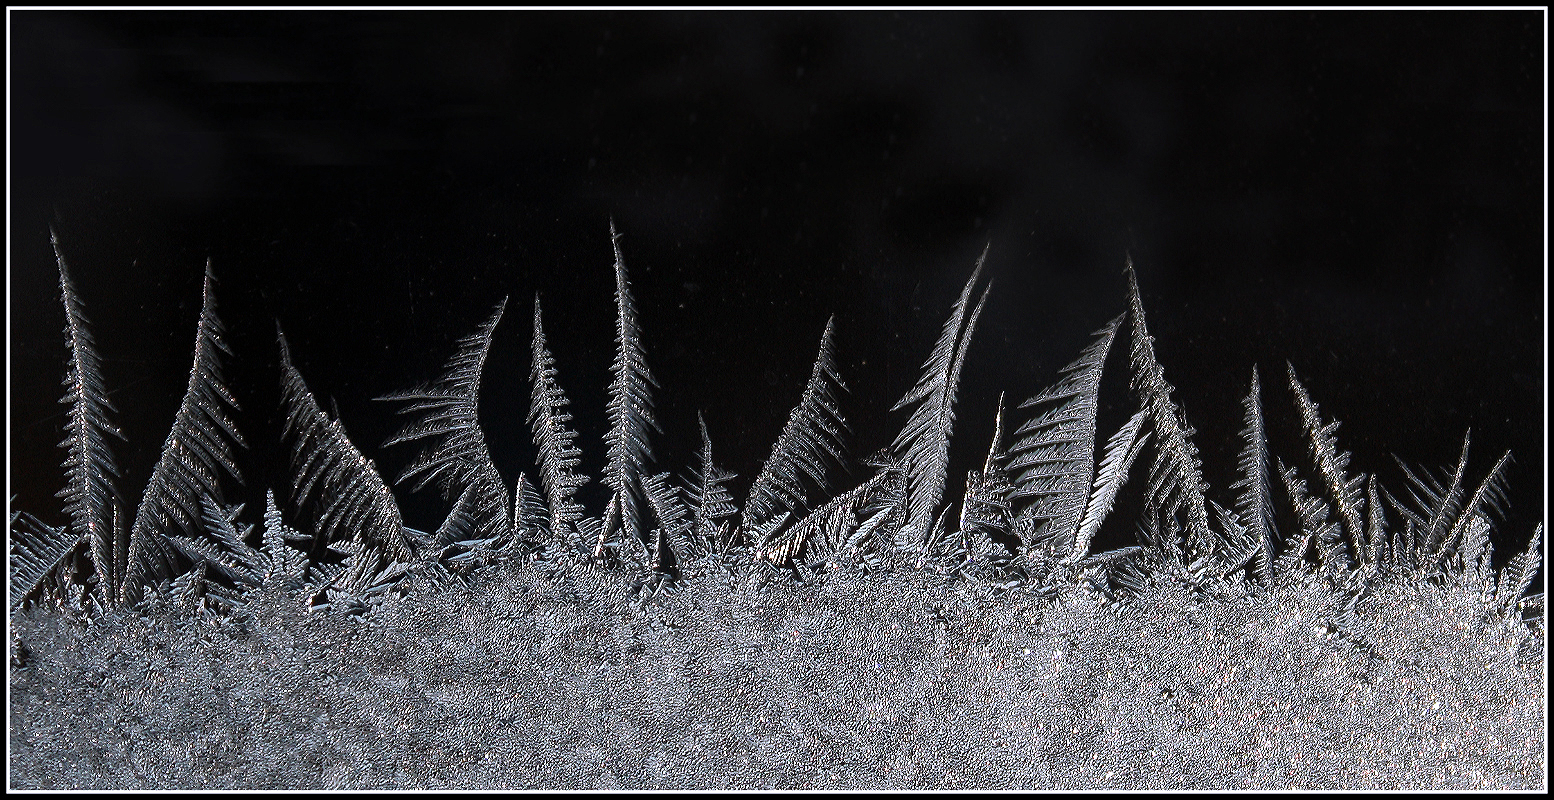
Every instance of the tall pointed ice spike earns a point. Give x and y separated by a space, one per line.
710 498
1176 477
1254 502
811 439
198 452
630 411
90 469
1489 491
1332 465
1121 450
445 413
347 497
558 456
1053 459
995 449
924 444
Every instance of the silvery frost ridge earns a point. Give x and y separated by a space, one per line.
1306 626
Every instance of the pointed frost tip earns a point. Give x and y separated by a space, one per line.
1295 383
59 258
285 350
976 275
1134 302
208 292
620 262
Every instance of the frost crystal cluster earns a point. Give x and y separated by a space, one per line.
1309 627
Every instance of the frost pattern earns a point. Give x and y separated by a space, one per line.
875 638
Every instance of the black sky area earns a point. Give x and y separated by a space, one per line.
1360 194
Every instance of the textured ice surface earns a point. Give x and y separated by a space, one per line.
882 680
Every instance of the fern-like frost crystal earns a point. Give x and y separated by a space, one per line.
456 458
1053 460
37 552
1254 503
631 414
349 500
1176 477
558 457
812 437
710 499
924 444
1332 465
89 493
197 454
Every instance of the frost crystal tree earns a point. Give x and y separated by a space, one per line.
445 414
1053 459
811 438
711 502
197 454
348 499
631 418
91 498
924 444
558 457
1176 484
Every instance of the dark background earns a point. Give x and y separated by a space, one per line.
1358 193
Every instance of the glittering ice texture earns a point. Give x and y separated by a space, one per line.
752 681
